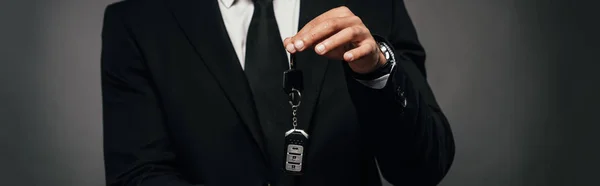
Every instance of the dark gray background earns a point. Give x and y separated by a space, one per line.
516 78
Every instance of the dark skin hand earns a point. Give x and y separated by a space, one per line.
339 34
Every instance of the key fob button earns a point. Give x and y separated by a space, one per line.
293 167
295 149
294 158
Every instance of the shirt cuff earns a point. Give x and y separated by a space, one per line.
377 83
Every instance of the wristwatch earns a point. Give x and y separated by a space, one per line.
386 68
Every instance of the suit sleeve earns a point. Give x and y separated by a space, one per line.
136 147
406 129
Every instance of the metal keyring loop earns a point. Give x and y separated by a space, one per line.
291 96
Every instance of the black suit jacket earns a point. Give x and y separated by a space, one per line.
178 110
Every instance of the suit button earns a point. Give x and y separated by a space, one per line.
400 98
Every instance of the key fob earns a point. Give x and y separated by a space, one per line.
296 142
292 79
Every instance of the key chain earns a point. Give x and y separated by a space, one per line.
296 140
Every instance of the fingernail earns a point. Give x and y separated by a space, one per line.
290 48
320 48
299 44
348 56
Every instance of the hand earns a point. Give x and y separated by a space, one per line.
341 35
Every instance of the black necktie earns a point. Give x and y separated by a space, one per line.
265 55
265 63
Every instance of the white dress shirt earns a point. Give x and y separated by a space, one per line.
237 15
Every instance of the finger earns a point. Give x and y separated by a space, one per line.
365 52
341 11
337 53
289 46
336 12
344 37
323 30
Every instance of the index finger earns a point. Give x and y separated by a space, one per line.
341 11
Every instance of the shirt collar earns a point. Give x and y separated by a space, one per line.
227 3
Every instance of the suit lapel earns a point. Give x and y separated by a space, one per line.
312 65
202 23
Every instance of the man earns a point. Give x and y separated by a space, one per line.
193 95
